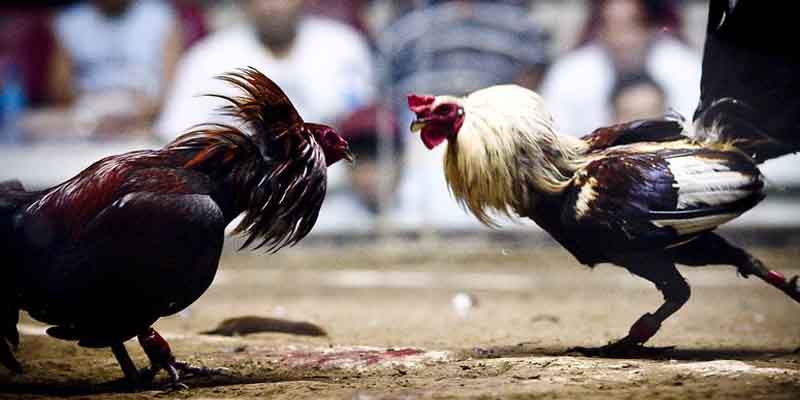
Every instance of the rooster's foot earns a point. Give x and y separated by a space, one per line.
160 355
7 358
622 349
788 286
753 266
792 288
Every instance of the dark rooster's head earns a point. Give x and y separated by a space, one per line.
334 146
438 118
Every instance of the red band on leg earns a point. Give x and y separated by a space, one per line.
156 348
776 278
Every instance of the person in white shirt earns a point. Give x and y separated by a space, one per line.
111 62
325 67
577 87
113 44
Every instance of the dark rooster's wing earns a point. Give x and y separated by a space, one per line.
643 130
750 88
647 200
144 256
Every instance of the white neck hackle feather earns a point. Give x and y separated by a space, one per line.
507 152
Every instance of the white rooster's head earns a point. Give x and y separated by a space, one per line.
509 111
503 146
438 118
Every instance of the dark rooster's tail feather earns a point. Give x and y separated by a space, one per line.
12 197
750 89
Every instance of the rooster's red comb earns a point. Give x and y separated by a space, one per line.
418 103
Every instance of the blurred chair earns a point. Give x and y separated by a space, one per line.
621 36
453 47
25 45
368 199
26 40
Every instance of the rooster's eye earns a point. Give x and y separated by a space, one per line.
444 109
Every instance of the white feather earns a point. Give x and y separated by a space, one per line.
694 225
585 197
705 181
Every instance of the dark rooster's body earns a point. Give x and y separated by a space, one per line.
138 236
643 195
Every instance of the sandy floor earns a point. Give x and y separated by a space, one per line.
395 334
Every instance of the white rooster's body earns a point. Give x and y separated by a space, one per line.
644 195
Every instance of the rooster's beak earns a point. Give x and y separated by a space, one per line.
417 125
348 155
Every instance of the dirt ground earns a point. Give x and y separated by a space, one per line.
395 331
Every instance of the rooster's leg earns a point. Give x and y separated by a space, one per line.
9 316
125 362
160 355
711 248
7 358
661 272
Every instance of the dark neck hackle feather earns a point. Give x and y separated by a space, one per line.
281 180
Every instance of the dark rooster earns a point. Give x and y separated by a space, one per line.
138 236
643 195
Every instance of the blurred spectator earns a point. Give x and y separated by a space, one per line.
626 36
662 14
454 47
324 66
457 47
636 95
372 180
111 63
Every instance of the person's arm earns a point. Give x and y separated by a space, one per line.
60 87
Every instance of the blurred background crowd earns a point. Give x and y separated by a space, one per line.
83 79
